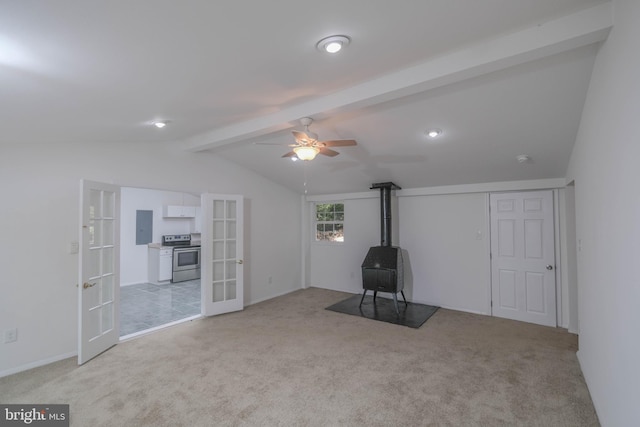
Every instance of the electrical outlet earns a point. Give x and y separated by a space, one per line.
270 280
11 335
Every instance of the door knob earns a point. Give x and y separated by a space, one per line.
239 261
86 285
549 267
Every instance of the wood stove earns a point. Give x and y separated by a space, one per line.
383 269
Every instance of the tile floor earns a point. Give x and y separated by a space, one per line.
145 305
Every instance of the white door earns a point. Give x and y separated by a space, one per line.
222 251
99 282
523 284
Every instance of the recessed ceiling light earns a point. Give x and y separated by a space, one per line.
333 44
433 133
523 158
160 124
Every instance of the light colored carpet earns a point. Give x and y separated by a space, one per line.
290 362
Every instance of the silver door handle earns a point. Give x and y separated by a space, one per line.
549 267
239 261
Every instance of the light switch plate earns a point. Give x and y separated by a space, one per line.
11 335
74 247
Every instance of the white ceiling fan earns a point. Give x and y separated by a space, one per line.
307 146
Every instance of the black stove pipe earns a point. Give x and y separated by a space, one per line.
385 210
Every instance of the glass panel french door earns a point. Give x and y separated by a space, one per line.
222 253
99 283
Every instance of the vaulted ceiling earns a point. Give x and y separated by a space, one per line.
500 78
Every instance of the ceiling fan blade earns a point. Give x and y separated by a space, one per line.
301 136
290 154
272 143
328 152
338 143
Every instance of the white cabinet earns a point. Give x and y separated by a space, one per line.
160 265
176 211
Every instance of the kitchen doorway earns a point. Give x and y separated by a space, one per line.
151 300
146 306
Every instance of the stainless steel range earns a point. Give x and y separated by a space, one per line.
186 257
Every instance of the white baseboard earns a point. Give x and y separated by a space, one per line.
37 364
272 296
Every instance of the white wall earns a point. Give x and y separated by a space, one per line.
449 260
604 165
134 258
337 265
438 227
447 265
40 217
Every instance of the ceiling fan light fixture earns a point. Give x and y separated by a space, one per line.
333 44
306 153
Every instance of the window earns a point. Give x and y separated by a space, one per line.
329 222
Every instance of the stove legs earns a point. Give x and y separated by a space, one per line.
395 302
395 299
362 299
405 300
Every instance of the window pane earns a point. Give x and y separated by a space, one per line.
108 235
218 229
231 229
217 270
94 204
218 209
107 317
231 290
218 250
230 272
231 209
324 216
218 292
107 261
109 204
93 263
324 211
107 289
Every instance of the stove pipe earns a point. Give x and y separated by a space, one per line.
385 210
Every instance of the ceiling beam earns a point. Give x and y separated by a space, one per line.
563 34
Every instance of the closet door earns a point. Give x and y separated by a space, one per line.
523 281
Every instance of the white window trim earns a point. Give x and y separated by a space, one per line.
315 222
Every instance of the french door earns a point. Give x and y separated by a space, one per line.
523 283
99 278
222 254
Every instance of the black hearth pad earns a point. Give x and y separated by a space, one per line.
412 315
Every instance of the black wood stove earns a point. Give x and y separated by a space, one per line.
382 269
